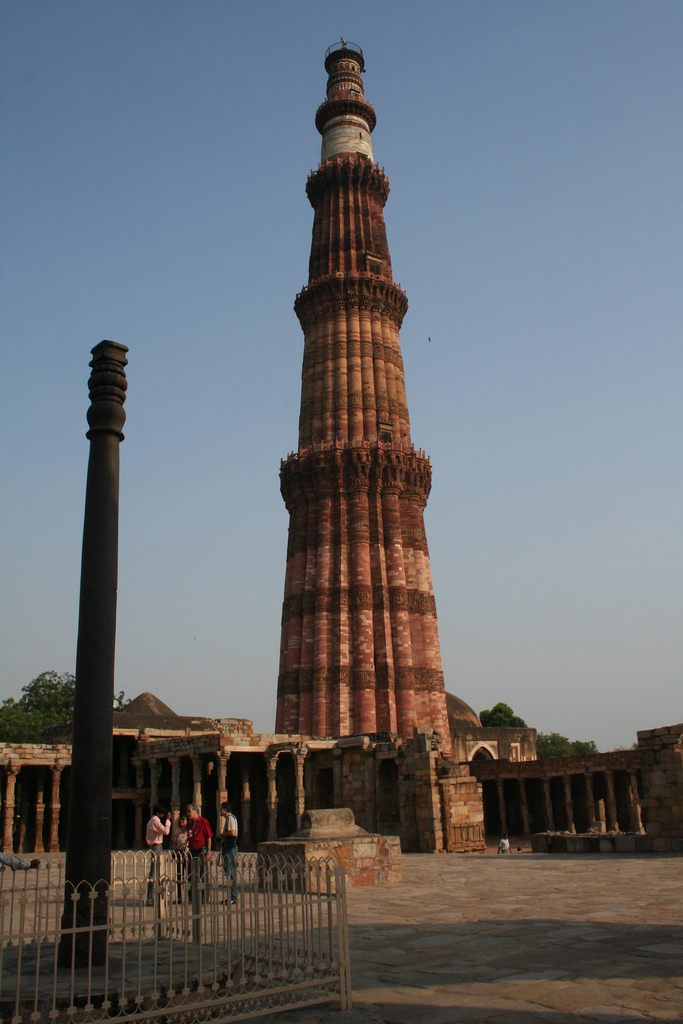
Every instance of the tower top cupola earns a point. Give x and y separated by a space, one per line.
345 119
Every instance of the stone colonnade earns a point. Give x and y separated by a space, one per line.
150 764
42 805
556 796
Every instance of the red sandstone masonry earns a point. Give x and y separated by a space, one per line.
359 647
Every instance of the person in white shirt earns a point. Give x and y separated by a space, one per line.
504 844
227 844
154 837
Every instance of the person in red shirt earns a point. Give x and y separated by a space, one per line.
199 836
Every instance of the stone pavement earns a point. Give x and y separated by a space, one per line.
526 938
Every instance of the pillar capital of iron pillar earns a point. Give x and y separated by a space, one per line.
107 387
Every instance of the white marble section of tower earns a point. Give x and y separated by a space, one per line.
349 117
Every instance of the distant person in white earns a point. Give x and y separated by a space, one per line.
504 845
227 844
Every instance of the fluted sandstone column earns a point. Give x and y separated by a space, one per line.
11 772
55 807
40 813
359 646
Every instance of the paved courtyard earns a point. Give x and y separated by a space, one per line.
510 940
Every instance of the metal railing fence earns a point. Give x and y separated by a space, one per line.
171 942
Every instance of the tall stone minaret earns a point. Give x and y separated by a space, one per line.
360 645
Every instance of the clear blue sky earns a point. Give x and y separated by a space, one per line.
154 157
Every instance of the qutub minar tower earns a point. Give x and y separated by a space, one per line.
360 645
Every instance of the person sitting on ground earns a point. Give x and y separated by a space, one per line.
504 844
9 860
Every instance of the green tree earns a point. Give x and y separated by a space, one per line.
552 744
45 702
501 716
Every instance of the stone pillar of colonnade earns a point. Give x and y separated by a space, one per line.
137 833
524 808
568 803
590 799
139 799
11 772
300 802
548 806
611 803
174 762
39 844
154 772
55 807
120 824
502 811
635 802
271 767
245 807
123 780
197 781
222 758
337 778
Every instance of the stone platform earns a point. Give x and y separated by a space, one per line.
524 939
603 842
368 858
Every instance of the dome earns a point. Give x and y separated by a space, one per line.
461 717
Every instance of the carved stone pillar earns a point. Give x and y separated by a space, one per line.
590 800
11 772
123 781
524 808
245 809
154 772
197 781
611 803
635 803
548 806
502 813
55 807
601 817
222 759
271 767
137 840
568 803
300 789
120 806
175 792
338 778
39 845
139 772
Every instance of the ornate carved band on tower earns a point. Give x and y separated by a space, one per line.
360 645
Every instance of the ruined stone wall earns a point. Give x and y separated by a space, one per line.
462 810
661 756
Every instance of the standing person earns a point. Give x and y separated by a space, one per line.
504 844
154 837
227 844
9 860
181 853
199 838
